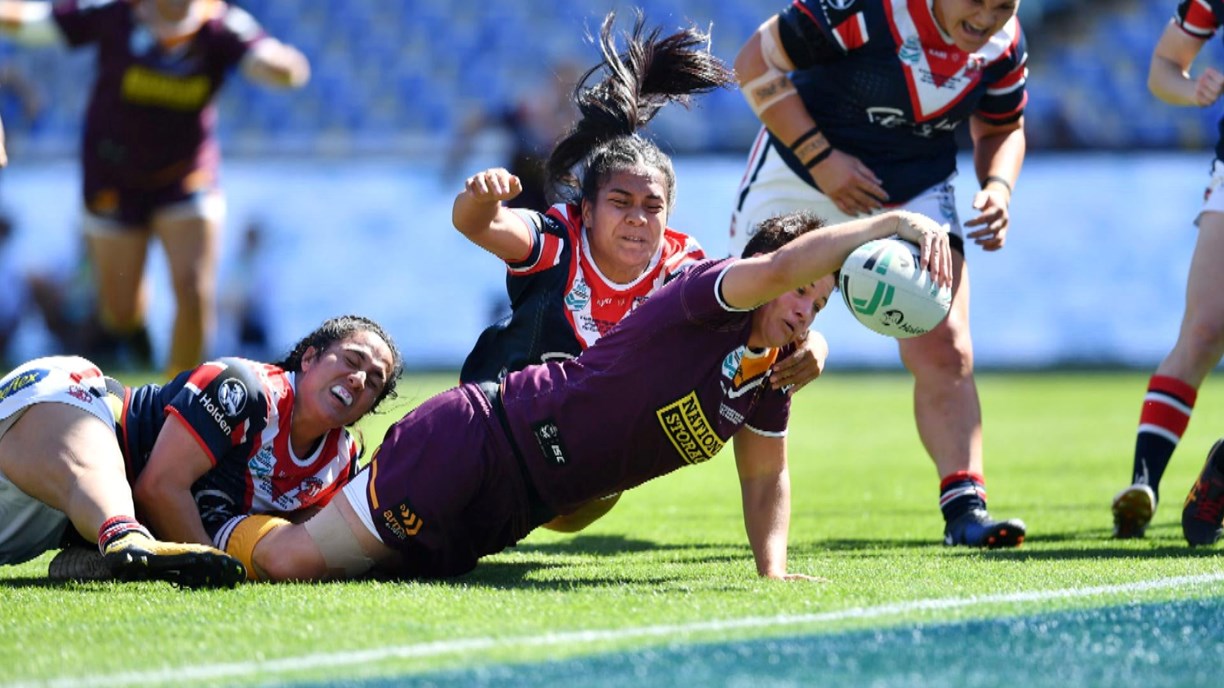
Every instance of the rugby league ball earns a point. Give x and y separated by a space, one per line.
886 291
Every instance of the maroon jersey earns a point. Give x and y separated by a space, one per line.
667 392
151 119
239 412
466 475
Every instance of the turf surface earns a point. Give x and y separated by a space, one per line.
663 587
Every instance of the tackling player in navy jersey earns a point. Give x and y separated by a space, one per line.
860 100
1173 389
475 469
228 437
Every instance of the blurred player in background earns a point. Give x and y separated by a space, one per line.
576 270
860 102
1173 389
235 436
149 150
473 470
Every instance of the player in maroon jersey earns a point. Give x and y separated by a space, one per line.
860 101
576 270
473 470
149 150
1173 389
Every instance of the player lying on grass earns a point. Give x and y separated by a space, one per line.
229 437
473 470
576 270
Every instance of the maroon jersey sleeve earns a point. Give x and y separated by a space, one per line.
236 31
85 21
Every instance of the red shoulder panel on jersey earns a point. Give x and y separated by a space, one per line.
852 33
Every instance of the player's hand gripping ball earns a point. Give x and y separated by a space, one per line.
884 288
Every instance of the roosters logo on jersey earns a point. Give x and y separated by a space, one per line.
309 489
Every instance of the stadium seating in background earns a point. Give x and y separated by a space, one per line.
401 75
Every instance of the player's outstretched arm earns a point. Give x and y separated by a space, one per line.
479 214
750 282
273 63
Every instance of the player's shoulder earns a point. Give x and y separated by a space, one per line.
233 20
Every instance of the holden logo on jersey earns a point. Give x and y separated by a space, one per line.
840 5
579 296
20 382
233 396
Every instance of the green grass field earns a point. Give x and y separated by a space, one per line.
663 592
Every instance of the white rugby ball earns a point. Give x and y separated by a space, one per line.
886 291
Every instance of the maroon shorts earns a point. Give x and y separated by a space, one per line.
446 488
135 207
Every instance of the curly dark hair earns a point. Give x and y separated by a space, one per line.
651 73
337 329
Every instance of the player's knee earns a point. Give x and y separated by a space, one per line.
1203 337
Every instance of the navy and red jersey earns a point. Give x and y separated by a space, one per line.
886 86
151 119
666 389
239 411
560 301
1201 19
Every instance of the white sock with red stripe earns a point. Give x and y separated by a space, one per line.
117 527
960 493
1162 422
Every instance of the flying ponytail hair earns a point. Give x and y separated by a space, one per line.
651 73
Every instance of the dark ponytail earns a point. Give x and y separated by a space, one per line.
651 73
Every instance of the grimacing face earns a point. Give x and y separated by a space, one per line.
788 317
345 379
971 23
625 223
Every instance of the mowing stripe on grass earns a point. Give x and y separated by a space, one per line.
270 668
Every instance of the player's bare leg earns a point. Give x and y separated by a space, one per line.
1199 347
118 256
68 459
191 253
949 419
333 544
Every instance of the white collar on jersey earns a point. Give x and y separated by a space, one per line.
586 251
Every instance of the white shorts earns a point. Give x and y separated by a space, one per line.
27 526
208 205
774 190
1213 200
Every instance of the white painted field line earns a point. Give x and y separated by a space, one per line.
275 667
